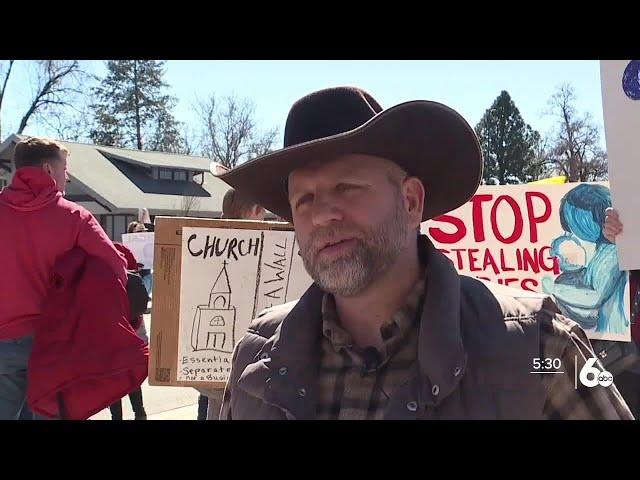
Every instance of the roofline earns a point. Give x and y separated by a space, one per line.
125 159
99 199
19 137
133 150
122 158
75 199
9 140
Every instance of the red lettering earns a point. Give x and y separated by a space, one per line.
507 281
459 255
543 256
525 284
519 223
533 220
530 261
478 217
488 260
442 237
519 258
503 264
473 260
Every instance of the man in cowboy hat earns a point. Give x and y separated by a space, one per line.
389 329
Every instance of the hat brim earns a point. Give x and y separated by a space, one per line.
427 139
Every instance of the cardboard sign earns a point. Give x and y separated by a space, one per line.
211 278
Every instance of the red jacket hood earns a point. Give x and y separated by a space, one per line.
30 189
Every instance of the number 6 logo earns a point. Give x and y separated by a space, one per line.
602 378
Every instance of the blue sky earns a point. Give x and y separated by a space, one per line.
468 86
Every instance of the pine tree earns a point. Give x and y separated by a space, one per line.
132 109
508 143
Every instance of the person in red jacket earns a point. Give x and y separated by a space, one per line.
85 353
37 226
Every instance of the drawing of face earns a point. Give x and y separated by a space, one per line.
350 220
571 255
582 212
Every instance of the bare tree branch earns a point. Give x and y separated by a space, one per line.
3 90
188 143
188 204
575 149
71 124
229 134
52 89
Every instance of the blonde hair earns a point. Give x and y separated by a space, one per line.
35 151
132 226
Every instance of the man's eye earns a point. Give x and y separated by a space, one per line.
303 200
345 187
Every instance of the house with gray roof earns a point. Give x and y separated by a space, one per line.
113 183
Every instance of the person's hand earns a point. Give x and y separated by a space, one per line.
612 225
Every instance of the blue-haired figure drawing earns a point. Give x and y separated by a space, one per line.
590 290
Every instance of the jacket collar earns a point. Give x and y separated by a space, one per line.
285 377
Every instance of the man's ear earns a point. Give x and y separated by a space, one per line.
413 194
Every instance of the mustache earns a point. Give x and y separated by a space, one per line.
323 236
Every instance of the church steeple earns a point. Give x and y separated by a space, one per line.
220 296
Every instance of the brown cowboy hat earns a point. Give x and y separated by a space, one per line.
427 139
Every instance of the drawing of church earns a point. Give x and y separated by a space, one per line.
214 324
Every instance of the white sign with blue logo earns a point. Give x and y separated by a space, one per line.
621 102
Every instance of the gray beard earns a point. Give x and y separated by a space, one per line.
374 253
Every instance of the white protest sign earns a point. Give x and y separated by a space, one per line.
228 276
543 238
141 244
621 104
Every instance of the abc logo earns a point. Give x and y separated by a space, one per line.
590 376
605 379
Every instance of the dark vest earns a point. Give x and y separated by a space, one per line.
476 347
